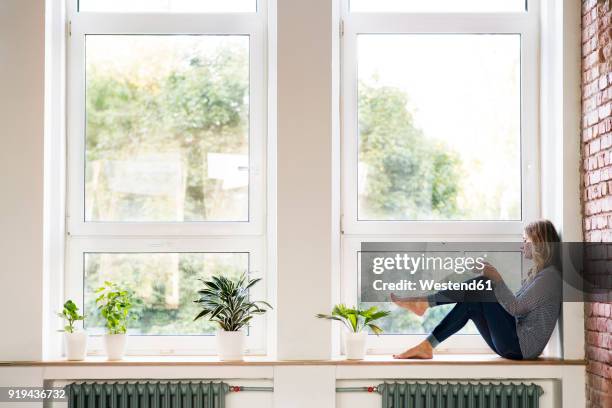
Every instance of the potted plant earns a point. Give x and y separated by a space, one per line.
75 340
114 304
356 321
226 302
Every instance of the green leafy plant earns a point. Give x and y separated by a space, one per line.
355 319
71 314
226 302
114 304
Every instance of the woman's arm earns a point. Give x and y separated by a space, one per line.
543 289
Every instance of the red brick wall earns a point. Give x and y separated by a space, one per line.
597 156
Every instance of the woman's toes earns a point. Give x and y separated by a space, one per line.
406 354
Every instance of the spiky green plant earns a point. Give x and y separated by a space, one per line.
356 319
226 302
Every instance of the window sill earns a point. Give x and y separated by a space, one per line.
447 367
443 359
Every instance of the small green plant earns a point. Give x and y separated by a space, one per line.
71 314
355 319
226 302
114 304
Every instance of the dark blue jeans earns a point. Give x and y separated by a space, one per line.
495 325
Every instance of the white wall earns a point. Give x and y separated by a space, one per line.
560 142
304 386
304 195
573 313
22 65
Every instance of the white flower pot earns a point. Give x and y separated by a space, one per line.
115 345
76 345
230 345
355 345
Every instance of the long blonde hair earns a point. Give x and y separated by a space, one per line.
545 245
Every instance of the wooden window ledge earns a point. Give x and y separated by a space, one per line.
442 359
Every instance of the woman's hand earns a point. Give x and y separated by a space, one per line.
490 272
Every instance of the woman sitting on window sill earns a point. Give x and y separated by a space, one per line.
514 326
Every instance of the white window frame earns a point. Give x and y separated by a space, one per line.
248 24
355 231
170 237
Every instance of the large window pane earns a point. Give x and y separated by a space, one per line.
179 6
165 284
167 135
439 127
448 6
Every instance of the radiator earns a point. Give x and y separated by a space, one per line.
147 395
438 395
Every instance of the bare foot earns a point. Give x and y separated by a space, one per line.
417 306
422 351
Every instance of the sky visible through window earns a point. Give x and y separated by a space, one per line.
439 127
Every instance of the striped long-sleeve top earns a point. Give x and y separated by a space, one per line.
536 307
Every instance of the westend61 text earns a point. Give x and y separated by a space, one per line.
432 285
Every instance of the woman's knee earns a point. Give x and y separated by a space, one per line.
474 307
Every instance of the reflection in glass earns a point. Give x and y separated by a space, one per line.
439 127
167 129
165 285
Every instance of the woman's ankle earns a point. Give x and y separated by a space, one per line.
432 341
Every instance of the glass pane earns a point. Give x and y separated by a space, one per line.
167 128
177 6
166 285
447 6
439 119
401 321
